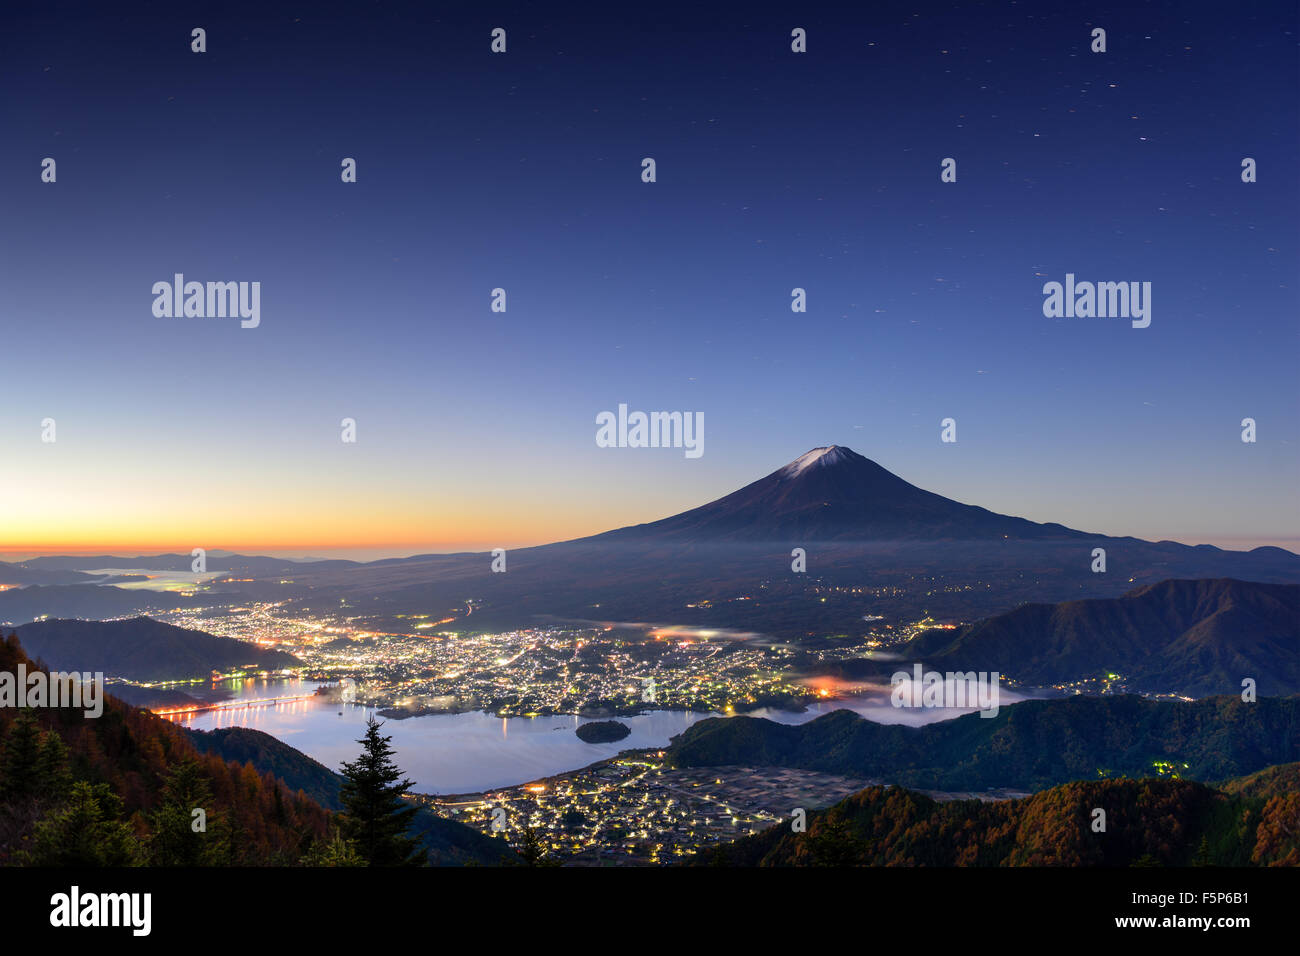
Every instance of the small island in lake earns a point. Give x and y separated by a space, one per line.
602 731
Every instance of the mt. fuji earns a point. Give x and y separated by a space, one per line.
834 494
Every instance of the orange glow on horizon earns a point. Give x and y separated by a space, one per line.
241 541
285 524
92 507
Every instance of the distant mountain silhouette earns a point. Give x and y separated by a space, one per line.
1186 637
835 494
828 494
142 649
23 604
873 541
216 561
22 575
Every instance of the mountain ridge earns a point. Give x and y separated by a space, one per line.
142 649
1191 637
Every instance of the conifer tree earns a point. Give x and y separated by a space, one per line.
53 778
178 840
376 817
87 831
21 759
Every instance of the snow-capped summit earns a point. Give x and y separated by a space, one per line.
826 455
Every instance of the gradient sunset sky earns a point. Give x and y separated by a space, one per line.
522 171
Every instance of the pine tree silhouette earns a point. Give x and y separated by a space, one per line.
376 817
20 760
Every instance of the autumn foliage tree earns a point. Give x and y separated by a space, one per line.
124 786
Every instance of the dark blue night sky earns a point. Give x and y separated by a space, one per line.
775 170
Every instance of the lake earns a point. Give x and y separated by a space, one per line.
469 752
